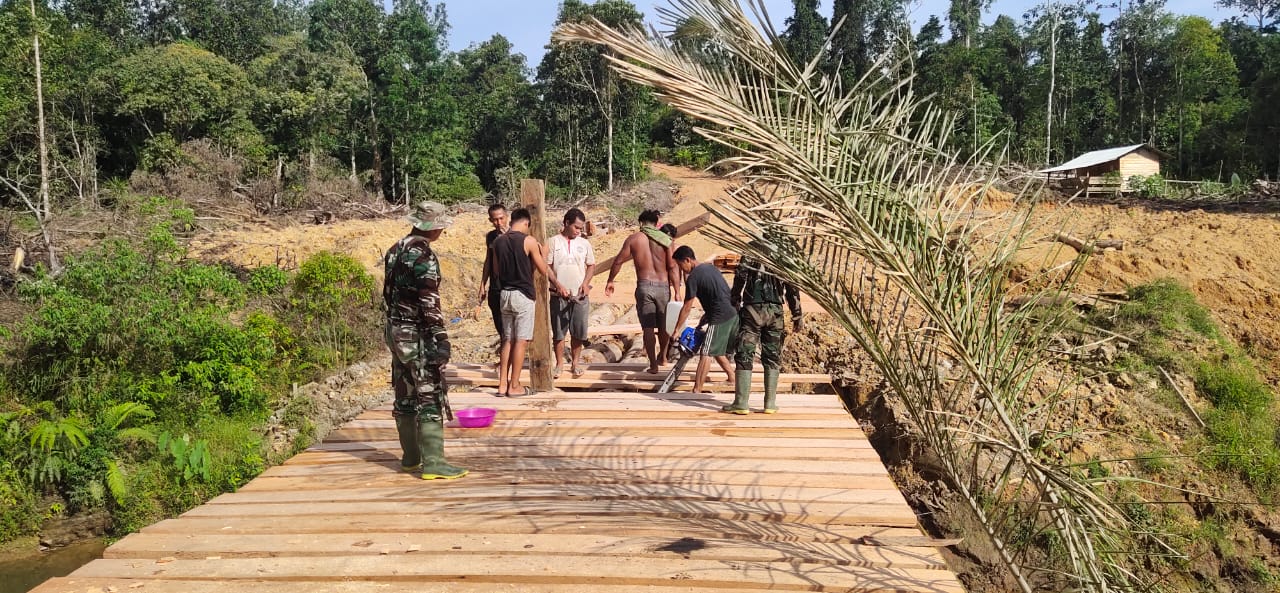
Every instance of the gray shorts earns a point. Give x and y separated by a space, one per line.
651 303
517 316
569 316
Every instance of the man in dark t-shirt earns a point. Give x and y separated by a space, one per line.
491 291
706 285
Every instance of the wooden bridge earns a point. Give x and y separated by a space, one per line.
609 492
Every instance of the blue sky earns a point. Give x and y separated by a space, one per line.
527 23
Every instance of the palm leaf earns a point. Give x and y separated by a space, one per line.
851 195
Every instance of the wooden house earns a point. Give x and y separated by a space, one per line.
1105 171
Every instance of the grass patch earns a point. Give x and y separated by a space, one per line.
1175 332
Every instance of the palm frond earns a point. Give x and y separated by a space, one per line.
851 195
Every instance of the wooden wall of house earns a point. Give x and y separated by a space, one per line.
1139 162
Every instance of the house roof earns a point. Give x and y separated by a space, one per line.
1097 157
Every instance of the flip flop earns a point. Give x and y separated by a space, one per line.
555 372
527 392
577 373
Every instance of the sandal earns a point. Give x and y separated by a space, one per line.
555 372
576 372
527 392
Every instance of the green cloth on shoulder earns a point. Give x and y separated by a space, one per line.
656 236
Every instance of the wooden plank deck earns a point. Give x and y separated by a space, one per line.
618 492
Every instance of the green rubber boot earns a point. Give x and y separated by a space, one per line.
431 443
771 391
741 394
407 429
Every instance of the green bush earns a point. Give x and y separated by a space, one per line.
463 188
268 281
132 341
1153 186
18 513
332 305
161 153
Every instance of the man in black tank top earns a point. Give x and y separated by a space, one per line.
515 255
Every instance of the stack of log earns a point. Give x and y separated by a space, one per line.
1266 189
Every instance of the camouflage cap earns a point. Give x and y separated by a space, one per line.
429 216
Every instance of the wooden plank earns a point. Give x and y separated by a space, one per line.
727 420
533 197
653 468
391 450
614 384
584 476
884 513
627 443
157 545
360 434
470 491
595 453
249 585
709 413
623 397
739 529
565 569
640 375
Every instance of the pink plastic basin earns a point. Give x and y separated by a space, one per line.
475 417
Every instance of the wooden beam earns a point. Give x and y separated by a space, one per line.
682 229
533 197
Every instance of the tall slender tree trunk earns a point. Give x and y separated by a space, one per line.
1053 65
376 146
609 139
54 264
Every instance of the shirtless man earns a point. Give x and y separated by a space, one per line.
650 250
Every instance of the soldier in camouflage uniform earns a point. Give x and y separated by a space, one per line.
758 296
419 345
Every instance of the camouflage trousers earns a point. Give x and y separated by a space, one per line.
760 327
416 377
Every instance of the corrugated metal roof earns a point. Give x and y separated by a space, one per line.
1096 157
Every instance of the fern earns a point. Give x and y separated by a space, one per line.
120 414
115 482
66 434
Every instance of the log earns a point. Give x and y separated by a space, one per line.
1082 246
533 197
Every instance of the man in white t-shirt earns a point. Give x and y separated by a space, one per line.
571 257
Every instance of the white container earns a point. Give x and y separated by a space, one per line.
673 315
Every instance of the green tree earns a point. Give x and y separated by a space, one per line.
354 28
1264 12
423 114
497 101
181 92
584 100
867 31
237 30
1202 80
805 31
304 97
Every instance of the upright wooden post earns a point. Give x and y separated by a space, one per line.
533 197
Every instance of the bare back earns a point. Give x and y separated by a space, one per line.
651 260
